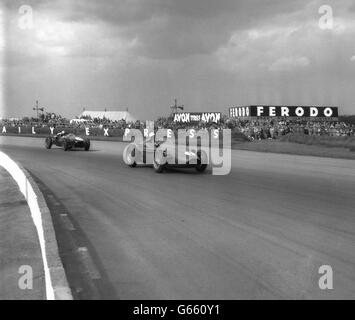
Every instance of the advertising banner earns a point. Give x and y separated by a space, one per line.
284 111
196 117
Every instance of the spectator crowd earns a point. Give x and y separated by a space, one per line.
272 129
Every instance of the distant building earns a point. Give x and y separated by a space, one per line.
110 115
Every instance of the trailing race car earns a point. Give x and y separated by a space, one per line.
67 141
168 157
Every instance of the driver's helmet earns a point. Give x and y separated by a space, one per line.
60 134
150 137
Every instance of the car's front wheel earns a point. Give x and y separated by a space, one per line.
159 163
48 143
66 146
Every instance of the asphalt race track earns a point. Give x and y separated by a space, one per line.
262 232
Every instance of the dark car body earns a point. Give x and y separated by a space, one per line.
67 141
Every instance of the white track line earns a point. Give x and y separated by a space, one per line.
67 222
88 263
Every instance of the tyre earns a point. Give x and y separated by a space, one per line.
66 146
201 161
158 164
159 168
201 167
48 143
87 145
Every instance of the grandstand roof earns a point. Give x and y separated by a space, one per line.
110 115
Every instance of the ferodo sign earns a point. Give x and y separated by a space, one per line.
284 111
193 117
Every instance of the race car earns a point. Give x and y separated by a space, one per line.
67 141
164 158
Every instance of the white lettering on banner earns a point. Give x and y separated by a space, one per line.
192 133
195 117
260 111
52 130
169 133
3 129
211 117
313 112
206 117
328 112
215 133
182 117
285 112
299 112
126 132
19 129
106 132
33 130
87 131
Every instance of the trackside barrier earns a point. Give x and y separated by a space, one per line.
47 130
57 287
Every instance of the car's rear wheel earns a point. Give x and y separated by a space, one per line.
48 143
129 156
87 145
159 163
201 161
158 167
66 146
201 167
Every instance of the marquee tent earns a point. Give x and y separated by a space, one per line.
110 115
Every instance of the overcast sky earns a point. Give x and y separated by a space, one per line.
209 54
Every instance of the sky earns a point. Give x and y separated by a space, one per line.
141 54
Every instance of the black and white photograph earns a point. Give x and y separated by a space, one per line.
177 154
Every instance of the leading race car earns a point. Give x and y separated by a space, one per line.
136 154
67 141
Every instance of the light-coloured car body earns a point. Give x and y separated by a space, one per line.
163 155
